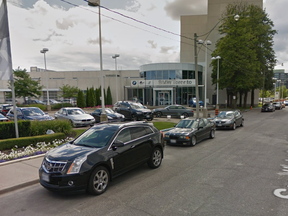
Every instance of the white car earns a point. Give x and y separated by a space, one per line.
76 116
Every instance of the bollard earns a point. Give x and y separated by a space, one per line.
216 112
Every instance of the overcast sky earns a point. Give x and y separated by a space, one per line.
69 29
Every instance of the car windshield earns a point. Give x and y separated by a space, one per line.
136 106
33 112
2 116
187 124
225 115
75 112
109 111
96 137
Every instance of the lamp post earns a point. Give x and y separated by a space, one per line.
217 89
115 57
208 42
103 116
44 50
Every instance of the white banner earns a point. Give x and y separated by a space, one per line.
159 83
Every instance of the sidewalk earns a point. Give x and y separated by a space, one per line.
20 173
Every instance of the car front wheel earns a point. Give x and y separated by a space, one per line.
99 181
155 159
193 140
212 134
158 114
234 126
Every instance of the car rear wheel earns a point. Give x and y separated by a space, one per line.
212 134
155 159
185 115
242 123
193 140
158 114
98 181
134 118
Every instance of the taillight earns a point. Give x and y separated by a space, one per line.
162 133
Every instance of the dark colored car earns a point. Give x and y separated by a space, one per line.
29 113
268 107
100 154
4 108
192 102
37 102
111 115
133 111
277 105
190 131
229 119
3 118
173 111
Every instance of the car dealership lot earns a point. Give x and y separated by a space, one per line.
236 173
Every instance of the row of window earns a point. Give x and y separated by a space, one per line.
167 74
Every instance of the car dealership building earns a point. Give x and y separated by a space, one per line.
153 84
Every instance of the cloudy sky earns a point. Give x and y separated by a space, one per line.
140 31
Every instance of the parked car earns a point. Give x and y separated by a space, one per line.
277 105
173 111
3 118
283 104
268 107
76 116
192 102
111 115
51 101
286 102
29 113
37 102
229 119
133 111
72 101
4 108
190 131
100 154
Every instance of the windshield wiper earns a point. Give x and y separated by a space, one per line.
84 145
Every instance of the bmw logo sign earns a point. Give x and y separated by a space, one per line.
134 83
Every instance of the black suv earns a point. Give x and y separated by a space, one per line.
100 154
133 111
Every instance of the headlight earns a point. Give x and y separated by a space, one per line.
76 165
167 135
139 113
109 117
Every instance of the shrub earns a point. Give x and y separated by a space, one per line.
60 105
9 128
58 126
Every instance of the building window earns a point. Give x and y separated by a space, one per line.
159 75
172 74
165 74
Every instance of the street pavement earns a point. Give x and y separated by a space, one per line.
23 172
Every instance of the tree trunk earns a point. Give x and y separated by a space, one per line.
245 99
252 98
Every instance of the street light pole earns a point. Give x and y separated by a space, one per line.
44 50
217 91
115 57
196 74
103 116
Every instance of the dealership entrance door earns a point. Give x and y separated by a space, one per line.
162 97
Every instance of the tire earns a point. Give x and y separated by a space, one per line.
72 123
212 134
193 140
155 159
234 126
158 114
133 118
98 181
185 115
242 123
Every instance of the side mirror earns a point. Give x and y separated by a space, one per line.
117 144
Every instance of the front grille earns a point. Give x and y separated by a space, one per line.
219 122
86 120
172 136
53 166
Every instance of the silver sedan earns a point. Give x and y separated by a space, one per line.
76 116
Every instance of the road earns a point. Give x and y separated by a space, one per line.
240 172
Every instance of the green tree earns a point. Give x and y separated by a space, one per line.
24 86
69 91
109 96
81 99
246 50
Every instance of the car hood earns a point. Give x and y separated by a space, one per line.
180 131
113 115
80 117
223 119
39 118
68 152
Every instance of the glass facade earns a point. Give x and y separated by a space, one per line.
167 95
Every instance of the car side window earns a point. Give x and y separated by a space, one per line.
124 135
201 123
205 121
137 132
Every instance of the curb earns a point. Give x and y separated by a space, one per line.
16 187
21 159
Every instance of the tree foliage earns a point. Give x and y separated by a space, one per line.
109 96
24 86
81 99
69 91
246 50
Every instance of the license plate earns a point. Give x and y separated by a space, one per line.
219 125
45 177
173 141
148 116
